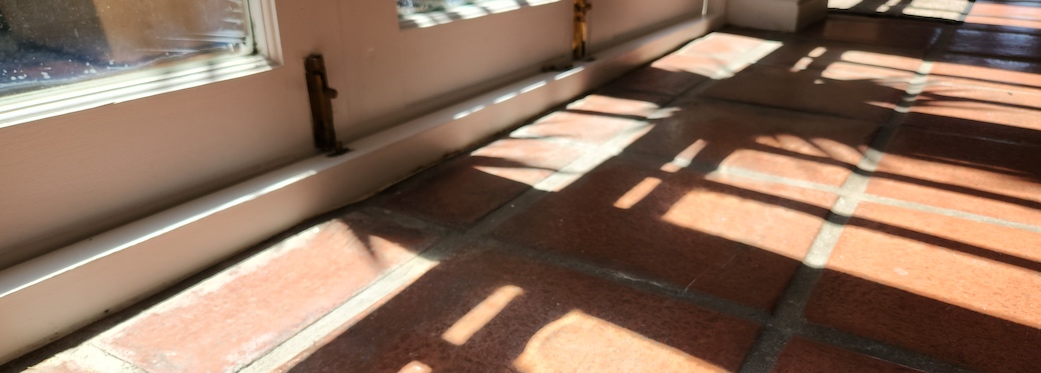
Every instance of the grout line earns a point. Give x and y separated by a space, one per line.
828 236
355 308
767 348
788 319
701 299
786 322
981 137
879 350
92 357
861 196
386 286
406 220
948 212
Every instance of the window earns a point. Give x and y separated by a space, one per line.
426 13
424 6
48 43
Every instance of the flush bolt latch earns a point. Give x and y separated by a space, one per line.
321 97
581 33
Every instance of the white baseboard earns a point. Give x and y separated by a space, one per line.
55 294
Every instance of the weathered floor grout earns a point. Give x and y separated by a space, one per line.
788 321
778 327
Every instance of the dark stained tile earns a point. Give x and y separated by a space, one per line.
670 80
876 32
468 188
990 178
801 355
800 54
230 320
848 90
1019 75
927 325
490 312
796 145
954 289
1009 113
1013 14
733 238
996 44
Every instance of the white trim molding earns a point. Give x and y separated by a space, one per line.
52 295
153 80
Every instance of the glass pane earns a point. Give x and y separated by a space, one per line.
45 43
406 7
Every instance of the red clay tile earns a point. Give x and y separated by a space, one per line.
620 102
929 326
802 146
804 356
1024 75
1007 10
1011 23
800 54
666 80
733 238
973 108
996 44
230 320
848 90
992 269
489 312
465 190
725 46
586 127
997 179
995 24
698 65
958 290
883 33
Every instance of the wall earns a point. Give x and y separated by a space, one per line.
67 177
615 21
392 74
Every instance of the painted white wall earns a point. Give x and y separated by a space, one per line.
615 21
67 177
391 74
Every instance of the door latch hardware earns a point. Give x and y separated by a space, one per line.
581 35
322 106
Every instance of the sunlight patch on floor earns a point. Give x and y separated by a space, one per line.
479 316
579 342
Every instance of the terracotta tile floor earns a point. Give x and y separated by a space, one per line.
862 196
